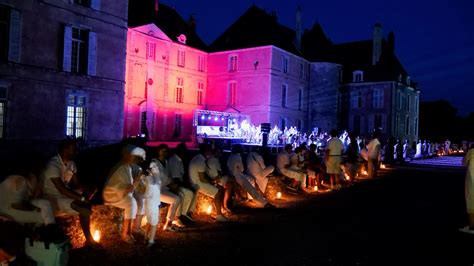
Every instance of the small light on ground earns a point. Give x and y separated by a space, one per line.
96 235
209 209
278 195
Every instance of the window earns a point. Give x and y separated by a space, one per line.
178 121
201 63
150 50
407 103
298 124
370 123
300 99
284 93
181 58
356 99
416 103
356 124
232 94
200 93
86 3
377 99
358 76
378 121
399 100
284 63
76 115
179 91
407 126
397 123
4 32
282 123
416 126
3 110
79 55
232 63
301 70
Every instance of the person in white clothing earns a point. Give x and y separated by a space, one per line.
204 184
256 168
284 168
468 161
176 171
152 203
119 188
333 159
214 171
169 189
63 199
373 149
236 169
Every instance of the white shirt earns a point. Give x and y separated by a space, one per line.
335 146
121 178
213 167
176 167
163 172
196 166
373 149
255 163
54 169
235 164
283 159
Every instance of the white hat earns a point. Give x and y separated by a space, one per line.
137 151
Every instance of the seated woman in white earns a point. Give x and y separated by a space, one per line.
256 168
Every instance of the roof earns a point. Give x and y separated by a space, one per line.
358 56
256 28
315 45
166 18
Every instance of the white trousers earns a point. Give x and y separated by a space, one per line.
129 206
261 177
173 200
187 200
248 184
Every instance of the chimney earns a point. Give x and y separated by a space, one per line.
192 22
299 30
377 43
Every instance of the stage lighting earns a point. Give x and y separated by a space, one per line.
203 117
215 118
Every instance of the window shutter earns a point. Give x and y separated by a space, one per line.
95 4
92 54
67 48
15 36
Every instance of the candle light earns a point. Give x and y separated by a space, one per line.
96 235
365 172
278 195
209 209
382 166
347 176
315 188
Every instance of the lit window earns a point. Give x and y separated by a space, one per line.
284 93
178 121
232 99
150 50
358 76
76 116
181 58
284 62
179 91
232 63
201 63
200 93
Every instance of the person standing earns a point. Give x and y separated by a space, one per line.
373 150
469 189
333 155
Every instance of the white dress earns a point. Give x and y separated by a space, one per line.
469 182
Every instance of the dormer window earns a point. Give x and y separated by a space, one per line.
358 76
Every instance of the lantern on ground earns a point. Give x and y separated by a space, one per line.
315 188
382 166
96 235
278 195
209 209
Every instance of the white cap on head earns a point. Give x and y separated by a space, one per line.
137 151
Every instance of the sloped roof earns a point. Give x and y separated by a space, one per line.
256 28
316 46
142 12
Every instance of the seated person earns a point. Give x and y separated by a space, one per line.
204 184
214 171
119 188
236 169
284 168
170 190
256 168
63 199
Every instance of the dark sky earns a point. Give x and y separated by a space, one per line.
434 39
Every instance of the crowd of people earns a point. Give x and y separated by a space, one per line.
142 181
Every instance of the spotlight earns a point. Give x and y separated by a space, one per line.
222 118
209 117
203 117
215 118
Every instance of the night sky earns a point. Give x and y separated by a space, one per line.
434 40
